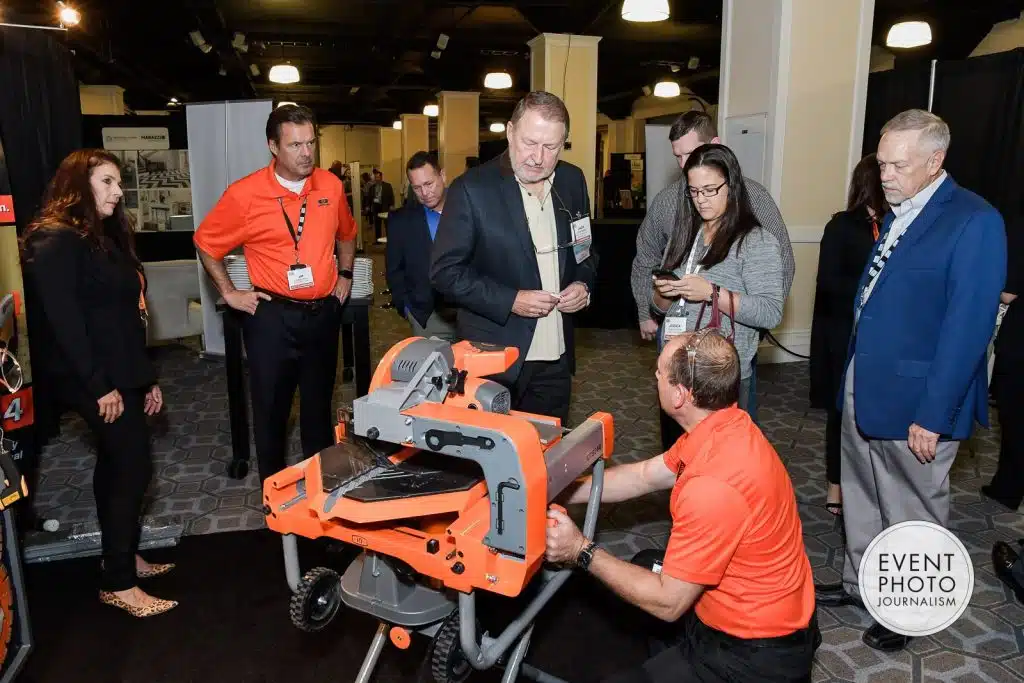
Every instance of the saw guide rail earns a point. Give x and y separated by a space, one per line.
446 491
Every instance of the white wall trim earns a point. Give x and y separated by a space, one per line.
725 64
780 95
805 234
798 341
860 85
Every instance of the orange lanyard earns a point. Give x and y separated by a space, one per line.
874 229
142 294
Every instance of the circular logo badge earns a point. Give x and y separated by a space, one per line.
916 578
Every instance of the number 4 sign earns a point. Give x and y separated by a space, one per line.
17 410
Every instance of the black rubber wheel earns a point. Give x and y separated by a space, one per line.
317 601
448 663
238 469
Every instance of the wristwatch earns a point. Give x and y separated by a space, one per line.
586 556
345 273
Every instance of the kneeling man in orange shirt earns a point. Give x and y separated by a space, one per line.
735 578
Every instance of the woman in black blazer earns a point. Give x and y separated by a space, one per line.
845 249
84 293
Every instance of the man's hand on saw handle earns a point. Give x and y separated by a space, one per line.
564 539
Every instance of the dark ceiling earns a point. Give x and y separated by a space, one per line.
368 61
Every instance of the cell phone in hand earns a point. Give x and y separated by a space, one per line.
663 274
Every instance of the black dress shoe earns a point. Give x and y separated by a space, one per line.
880 638
1003 559
1012 502
835 595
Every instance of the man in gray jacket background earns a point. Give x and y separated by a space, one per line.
671 208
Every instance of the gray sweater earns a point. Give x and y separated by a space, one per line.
754 272
659 227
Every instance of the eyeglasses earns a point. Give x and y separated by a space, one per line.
10 371
692 346
706 191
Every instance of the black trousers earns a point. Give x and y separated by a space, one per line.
689 651
1008 391
544 388
833 443
124 467
291 345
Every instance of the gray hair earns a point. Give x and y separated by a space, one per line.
549 106
934 131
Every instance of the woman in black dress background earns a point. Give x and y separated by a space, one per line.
845 249
84 293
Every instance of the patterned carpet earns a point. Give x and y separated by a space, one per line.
616 374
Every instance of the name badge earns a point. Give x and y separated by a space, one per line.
674 326
300 276
581 238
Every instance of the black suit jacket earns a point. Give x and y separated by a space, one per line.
845 249
408 263
484 255
83 306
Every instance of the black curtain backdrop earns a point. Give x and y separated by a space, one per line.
889 93
40 124
982 100
40 112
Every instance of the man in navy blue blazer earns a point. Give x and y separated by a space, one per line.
411 232
916 378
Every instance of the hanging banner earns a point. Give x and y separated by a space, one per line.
6 200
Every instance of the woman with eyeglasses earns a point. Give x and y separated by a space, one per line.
84 290
845 249
724 255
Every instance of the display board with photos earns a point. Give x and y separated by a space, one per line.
156 185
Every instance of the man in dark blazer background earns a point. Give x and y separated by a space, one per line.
514 254
411 232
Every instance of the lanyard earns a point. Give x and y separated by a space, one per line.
296 234
690 270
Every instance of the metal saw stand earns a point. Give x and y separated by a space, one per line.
379 586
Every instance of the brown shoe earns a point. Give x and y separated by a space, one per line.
151 610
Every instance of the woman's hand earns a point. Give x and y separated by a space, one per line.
111 406
154 401
695 288
668 289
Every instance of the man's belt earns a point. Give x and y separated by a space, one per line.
304 304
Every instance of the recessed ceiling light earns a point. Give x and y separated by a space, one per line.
283 73
431 110
909 34
645 10
497 127
397 125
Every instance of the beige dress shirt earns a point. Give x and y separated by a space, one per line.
549 338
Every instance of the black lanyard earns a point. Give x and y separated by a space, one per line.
296 234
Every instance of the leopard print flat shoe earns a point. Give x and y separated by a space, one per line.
154 570
142 611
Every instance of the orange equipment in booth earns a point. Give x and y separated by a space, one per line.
446 491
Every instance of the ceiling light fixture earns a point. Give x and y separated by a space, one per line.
68 16
909 34
498 80
281 104
397 125
666 89
497 127
431 110
283 73
645 10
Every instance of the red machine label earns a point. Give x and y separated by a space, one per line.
17 410
6 209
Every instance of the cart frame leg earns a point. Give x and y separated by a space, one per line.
292 570
373 654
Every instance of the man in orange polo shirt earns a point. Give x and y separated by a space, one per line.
735 581
297 232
